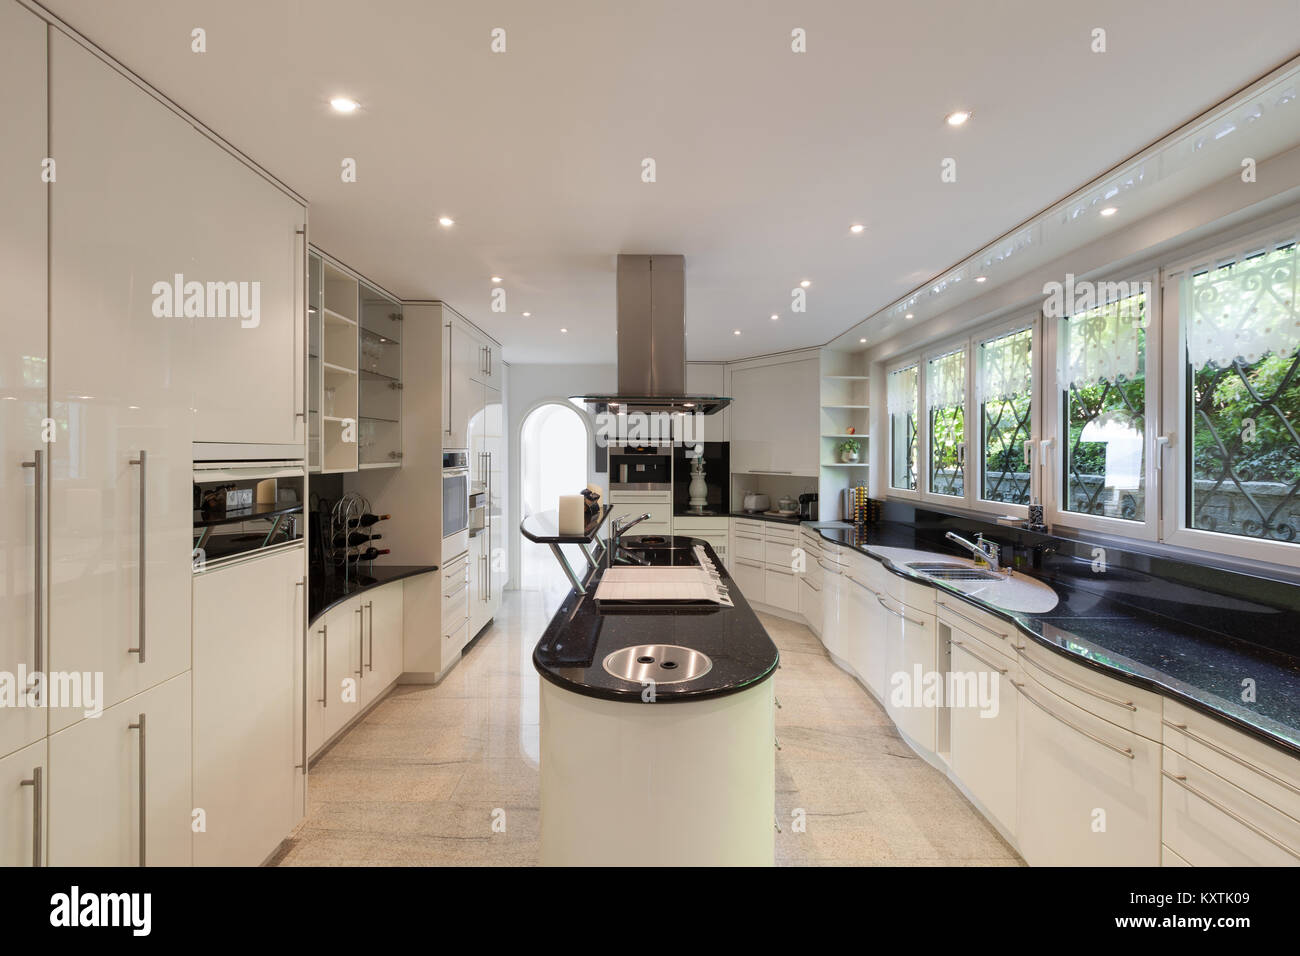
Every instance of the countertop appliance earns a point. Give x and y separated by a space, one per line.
808 507
716 456
756 503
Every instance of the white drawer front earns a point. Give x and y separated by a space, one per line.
1120 703
781 589
779 554
748 546
996 634
747 525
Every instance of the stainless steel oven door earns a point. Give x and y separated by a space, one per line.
455 501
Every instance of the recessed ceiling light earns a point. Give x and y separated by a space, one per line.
496 278
856 227
981 278
527 314
957 117
736 332
775 317
446 221
563 330
341 104
1109 211
909 316
863 341
805 283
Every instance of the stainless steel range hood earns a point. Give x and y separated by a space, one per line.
652 341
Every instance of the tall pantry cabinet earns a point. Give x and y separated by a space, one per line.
96 517
24 772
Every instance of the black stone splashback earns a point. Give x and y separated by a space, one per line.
1247 607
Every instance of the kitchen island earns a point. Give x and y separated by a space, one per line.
667 756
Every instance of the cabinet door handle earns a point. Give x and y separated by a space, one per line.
955 613
142 461
370 607
1181 780
1087 690
303 584
1125 751
37 797
361 642
1185 731
910 620
144 816
324 701
302 355
986 663
450 370
38 547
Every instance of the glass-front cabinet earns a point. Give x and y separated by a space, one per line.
380 417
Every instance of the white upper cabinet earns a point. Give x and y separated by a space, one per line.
248 380
121 379
774 418
23 364
463 379
707 378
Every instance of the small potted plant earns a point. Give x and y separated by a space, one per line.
849 450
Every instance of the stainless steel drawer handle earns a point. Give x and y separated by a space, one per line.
1087 690
910 620
986 663
361 642
324 633
1126 751
861 585
144 789
38 577
370 609
983 627
142 461
303 766
38 798
748 537
1181 780
1183 729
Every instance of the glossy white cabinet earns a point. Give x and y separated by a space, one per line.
384 628
1089 790
833 608
121 379
463 378
23 360
709 378
334 649
247 756
487 456
910 663
24 790
106 802
983 727
770 418
856 599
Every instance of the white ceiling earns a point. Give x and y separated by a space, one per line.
764 157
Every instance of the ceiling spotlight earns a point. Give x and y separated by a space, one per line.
805 283
863 341
496 278
446 221
736 332
909 316
775 317
562 331
981 278
856 227
341 104
1109 211
957 117
527 315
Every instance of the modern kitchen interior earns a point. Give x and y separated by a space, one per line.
650 435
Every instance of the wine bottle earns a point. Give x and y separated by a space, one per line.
354 539
365 521
368 555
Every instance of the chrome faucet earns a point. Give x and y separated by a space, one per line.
980 548
618 527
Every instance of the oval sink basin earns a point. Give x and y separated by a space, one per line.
657 663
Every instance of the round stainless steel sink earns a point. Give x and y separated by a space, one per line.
657 663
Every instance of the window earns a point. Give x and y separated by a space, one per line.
1103 381
1005 400
902 398
945 402
1241 326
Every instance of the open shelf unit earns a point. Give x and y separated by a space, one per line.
845 413
380 372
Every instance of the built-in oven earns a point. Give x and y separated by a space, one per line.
455 492
243 509
641 468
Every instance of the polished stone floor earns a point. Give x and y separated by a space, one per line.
447 775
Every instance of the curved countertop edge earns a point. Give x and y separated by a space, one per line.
386 575
1023 626
551 673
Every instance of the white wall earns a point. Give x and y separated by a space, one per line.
530 385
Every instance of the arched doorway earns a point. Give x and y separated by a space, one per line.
554 445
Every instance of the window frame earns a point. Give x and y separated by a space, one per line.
911 494
1032 319
946 347
1176 397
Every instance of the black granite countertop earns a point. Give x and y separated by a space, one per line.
326 592
581 635
765 516
1200 667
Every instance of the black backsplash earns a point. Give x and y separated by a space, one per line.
1250 608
